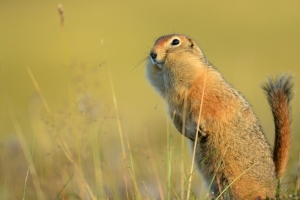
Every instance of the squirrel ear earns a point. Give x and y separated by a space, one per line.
195 47
192 43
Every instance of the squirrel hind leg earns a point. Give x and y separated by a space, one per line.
279 94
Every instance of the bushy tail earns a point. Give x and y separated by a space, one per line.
279 93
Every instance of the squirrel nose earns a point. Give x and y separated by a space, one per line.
153 55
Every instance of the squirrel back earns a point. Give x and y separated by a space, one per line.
279 94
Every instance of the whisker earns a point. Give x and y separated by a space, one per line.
138 64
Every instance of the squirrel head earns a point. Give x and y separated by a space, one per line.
173 63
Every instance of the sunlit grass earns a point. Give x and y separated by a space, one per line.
107 171
83 151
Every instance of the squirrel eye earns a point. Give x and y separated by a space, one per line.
175 42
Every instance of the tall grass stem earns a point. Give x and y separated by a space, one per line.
182 180
27 153
196 139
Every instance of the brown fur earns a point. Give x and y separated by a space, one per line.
231 144
279 94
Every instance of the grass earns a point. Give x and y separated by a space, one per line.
75 153
196 138
71 158
28 155
107 169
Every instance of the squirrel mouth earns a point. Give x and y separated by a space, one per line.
158 63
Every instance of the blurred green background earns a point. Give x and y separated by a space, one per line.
246 40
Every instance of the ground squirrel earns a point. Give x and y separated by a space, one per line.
232 149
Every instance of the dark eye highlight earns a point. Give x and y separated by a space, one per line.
175 42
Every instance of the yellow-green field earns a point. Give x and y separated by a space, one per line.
78 119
